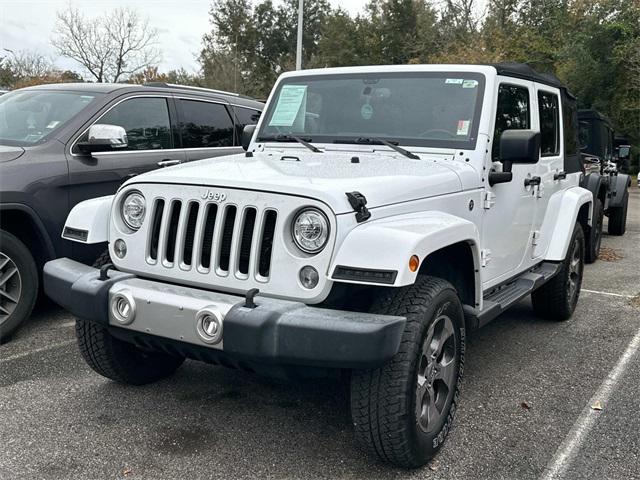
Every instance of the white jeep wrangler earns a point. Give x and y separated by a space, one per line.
377 215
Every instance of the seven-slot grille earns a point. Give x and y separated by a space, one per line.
210 237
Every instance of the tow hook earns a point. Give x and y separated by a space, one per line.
359 203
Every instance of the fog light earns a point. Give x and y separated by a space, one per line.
209 325
120 248
309 277
123 308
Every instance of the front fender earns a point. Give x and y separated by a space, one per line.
561 216
387 244
88 221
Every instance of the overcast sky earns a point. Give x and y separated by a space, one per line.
27 25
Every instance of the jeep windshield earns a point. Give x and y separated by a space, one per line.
425 109
29 117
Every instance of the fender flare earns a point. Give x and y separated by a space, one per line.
44 235
620 183
594 182
560 227
390 242
88 221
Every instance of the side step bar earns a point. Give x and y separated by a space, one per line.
498 299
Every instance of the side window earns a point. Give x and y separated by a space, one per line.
512 113
245 116
205 125
146 121
549 124
570 116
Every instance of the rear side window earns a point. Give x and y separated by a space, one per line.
549 124
146 121
512 113
205 125
570 116
245 116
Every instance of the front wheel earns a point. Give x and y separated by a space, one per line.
557 299
403 411
18 284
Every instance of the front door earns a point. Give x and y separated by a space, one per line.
508 220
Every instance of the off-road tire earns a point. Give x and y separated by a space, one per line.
14 252
557 299
121 361
594 238
383 401
618 217
102 259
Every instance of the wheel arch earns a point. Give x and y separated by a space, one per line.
22 222
573 205
447 247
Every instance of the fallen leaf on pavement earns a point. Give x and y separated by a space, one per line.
525 405
596 406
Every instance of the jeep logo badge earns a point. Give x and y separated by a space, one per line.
215 196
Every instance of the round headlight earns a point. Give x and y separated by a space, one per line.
310 230
133 210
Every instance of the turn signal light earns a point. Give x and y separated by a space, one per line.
414 263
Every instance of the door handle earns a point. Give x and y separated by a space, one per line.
168 163
532 181
560 175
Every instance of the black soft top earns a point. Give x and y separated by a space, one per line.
525 72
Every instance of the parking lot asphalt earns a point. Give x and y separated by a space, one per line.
526 409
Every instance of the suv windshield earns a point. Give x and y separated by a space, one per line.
431 109
30 116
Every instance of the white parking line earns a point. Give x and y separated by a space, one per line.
606 293
568 449
37 350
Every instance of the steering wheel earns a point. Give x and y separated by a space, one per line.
437 130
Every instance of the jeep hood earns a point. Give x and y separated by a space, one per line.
383 179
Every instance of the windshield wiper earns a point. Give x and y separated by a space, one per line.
380 141
291 138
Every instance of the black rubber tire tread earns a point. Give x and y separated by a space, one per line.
381 401
618 217
121 361
592 248
21 256
551 301
102 259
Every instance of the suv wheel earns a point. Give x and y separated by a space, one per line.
594 239
121 361
557 299
618 217
403 411
18 284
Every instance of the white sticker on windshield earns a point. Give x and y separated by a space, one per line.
470 84
288 107
463 127
454 81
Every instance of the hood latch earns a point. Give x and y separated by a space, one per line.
359 203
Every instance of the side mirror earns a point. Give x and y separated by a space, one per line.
516 146
247 135
103 138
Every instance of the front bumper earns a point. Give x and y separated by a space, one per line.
275 332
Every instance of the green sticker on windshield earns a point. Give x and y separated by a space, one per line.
470 84
287 109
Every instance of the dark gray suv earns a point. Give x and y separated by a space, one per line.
62 144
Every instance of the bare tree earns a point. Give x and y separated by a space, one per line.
27 64
112 47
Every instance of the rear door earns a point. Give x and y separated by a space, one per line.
148 120
206 128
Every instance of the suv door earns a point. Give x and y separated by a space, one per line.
206 128
507 223
550 167
147 119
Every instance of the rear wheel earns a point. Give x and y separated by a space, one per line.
557 299
18 284
594 239
618 217
121 361
403 411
